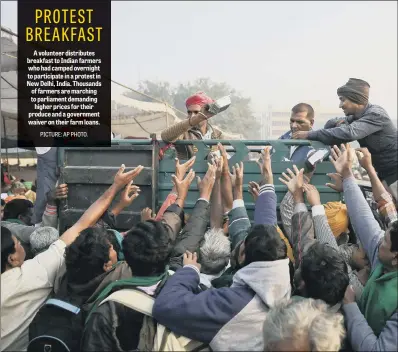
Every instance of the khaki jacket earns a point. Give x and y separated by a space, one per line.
183 131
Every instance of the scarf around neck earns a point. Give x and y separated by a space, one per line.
378 301
133 282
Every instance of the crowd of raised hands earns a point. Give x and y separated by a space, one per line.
218 277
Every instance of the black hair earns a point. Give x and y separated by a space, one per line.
147 248
22 180
86 256
303 107
264 244
16 208
3 202
394 236
7 247
325 274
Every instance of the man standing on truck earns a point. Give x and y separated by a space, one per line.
196 126
366 123
301 119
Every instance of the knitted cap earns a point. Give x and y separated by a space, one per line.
42 238
356 90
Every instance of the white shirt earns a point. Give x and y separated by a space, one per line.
23 292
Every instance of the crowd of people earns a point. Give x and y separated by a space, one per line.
235 287
322 277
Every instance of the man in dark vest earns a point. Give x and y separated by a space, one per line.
301 119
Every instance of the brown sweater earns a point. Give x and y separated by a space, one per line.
183 131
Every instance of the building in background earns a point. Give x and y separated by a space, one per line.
276 121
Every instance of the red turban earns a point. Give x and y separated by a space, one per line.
200 98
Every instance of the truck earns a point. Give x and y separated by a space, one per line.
90 171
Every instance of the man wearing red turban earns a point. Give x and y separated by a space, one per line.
196 126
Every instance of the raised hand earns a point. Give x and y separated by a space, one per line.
218 163
128 195
342 159
123 178
237 175
364 158
312 194
265 165
182 187
206 185
294 181
338 182
57 193
147 214
224 155
191 259
182 169
254 189
61 191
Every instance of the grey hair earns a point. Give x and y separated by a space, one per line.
304 321
215 252
42 238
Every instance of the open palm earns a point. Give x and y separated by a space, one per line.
342 158
293 180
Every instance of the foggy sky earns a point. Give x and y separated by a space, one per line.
277 53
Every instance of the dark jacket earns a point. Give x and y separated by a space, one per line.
192 235
373 130
300 155
114 327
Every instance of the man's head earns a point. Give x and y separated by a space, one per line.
42 238
303 325
12 252
21 209
262 244
89 256
354 96
215 252
147 248
18 188
388 249
301 118
323 274
196 103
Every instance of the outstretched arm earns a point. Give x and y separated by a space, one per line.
361 216
359 129
265 210
98 208
172 133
